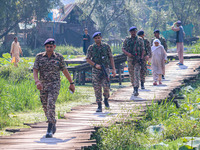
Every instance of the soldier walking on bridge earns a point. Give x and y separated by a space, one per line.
49 64
147 55
99 55
162 40
133 47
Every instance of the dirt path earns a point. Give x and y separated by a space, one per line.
74 131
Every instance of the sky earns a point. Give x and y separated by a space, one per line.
67 1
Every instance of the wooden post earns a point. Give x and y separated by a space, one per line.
120 75
74 76
79 78
83 78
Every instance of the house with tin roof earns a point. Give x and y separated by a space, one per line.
66 25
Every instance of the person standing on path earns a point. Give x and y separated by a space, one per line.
179 40
159 57
99 56
162 40
86 41
15 51
147 55
49 64
133 47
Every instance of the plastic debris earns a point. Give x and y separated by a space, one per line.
158 129
190 143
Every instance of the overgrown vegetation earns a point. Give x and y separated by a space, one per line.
163 127
195 49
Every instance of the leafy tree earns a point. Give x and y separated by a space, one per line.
16 11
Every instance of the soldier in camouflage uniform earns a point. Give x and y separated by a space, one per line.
99 55
133 47
49 64
162 40
147 55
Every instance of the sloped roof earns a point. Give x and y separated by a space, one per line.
67 9
59 16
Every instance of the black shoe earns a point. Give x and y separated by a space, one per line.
106 103
99 109
49 131
54 129
136 91
133 90
142 85
163 77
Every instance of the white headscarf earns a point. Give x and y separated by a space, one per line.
153 48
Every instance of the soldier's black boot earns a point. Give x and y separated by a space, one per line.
99 109
49 131
106 103
136 91
133 90
142 85
54 128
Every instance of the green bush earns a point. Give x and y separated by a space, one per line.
116 50
69 50
195 48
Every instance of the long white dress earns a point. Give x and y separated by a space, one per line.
157 60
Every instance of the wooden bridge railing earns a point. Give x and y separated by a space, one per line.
81 69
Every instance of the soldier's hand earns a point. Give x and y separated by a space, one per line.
72 87
147 58
39 85
114 72
98 66
130 55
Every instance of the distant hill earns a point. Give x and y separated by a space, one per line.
67 1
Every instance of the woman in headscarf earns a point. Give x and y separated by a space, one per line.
159 57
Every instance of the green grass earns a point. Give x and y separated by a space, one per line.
177 123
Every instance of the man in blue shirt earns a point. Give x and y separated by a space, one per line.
179 40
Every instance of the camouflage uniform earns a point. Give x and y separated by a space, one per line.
135 46
147 52
100 55
163 42
49 69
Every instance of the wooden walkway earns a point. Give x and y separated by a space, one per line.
82 60
73 133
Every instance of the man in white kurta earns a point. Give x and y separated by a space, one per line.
159 57
15 51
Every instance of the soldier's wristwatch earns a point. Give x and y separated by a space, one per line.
72 83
